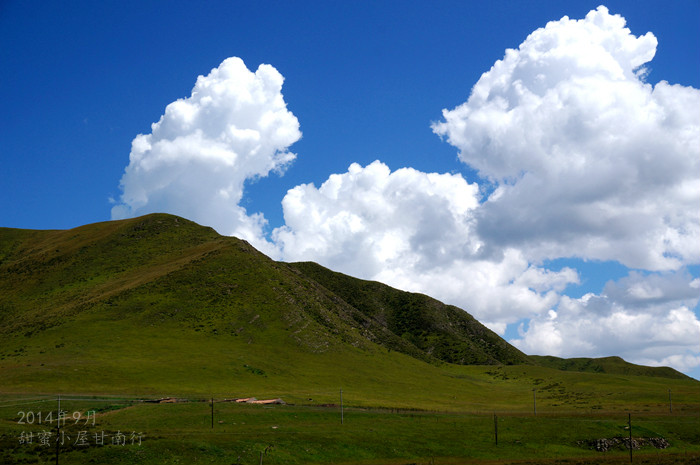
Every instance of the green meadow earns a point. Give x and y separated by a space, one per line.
290 434
441 415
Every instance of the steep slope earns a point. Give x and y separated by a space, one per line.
444 332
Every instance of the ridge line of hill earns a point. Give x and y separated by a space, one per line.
160 270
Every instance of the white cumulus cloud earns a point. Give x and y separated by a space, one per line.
586 158
370 219
234 126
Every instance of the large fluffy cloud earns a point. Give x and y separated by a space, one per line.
415 231
234 126
586 158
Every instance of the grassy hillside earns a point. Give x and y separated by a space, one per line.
160 305
154 295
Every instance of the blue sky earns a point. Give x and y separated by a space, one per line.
368 81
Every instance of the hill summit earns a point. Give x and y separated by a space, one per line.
162 267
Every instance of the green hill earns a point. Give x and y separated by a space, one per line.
610 365
159 305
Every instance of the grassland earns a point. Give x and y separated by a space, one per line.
286 434
110 314
444 415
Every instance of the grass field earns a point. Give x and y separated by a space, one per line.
167 360
296 434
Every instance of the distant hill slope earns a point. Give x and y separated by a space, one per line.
444 332
610 365
449 333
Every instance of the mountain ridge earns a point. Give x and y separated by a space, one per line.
97 289
445 332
